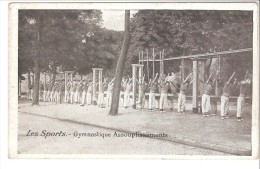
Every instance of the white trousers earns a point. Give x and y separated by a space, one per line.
88 98
51 96
72 97
163 100
240 105
205 103
224 105
126 99
152 100
100 99
181 102
109 98
171 102
67 97
141 100
44 95
76 97
31 94
83 98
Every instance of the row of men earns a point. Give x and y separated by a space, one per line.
81 93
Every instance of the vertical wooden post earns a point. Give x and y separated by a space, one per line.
142 57
163 61
99 79
139 58
140 77
94 86
134 84
202 74
134 77
153 61
182 70
195 87
148 66
66 81
161 64
44 81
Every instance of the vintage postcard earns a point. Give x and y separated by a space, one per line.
134 80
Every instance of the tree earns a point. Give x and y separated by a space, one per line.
191 32
51 38
120 66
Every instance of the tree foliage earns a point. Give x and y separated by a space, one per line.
191 32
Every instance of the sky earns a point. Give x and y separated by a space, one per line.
114 19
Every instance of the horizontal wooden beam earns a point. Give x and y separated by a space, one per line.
206 55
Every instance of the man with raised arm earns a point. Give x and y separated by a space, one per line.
164 85
80 90
128 89
84 93
101 94
182 95
68 92
152 86
225 99
174 88
109 92
241 98
205 99
72 92
143 86
89 93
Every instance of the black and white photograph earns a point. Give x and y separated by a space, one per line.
144 80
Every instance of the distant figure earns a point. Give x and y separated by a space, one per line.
101 94
241 98
164 94
72 92
225 101
89 93
174 90
143 86
153 87
109 92
205 99
84 93
128 89
68 92
182 97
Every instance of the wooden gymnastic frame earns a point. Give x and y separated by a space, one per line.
195 59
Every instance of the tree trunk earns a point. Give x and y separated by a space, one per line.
120 67
36 85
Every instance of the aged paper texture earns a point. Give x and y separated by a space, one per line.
134 80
